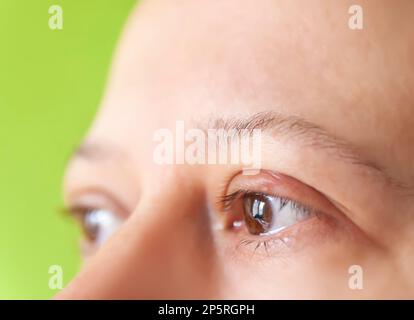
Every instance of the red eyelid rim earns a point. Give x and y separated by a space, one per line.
278 184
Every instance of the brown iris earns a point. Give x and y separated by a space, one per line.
258 213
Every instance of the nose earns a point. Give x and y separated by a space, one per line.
164 250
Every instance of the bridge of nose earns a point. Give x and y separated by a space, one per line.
164 250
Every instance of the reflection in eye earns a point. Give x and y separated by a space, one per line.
99 224
264 214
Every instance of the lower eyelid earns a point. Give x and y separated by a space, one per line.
308 232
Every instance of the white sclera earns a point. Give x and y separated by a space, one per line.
286 216
105 223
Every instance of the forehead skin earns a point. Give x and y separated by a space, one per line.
181 58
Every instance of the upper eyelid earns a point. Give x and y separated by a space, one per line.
227 200
279 185
96 198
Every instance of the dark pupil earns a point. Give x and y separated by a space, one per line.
91 226
257 213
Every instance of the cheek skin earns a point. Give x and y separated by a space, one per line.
320 271
315 257
163 250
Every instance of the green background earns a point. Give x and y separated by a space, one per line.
51 83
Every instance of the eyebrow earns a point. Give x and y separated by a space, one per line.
276 124
308 134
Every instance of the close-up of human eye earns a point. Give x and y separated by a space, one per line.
206 150
261 211
96 224
264 214
97 214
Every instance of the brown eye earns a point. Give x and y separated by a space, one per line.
258 213
263 214
90 225
98 224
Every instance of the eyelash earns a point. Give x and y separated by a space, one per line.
79 214
227 200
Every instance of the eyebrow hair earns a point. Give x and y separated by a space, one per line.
308 134
277 124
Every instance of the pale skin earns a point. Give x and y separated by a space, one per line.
194 60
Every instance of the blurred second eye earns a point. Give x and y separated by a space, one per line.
99 224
